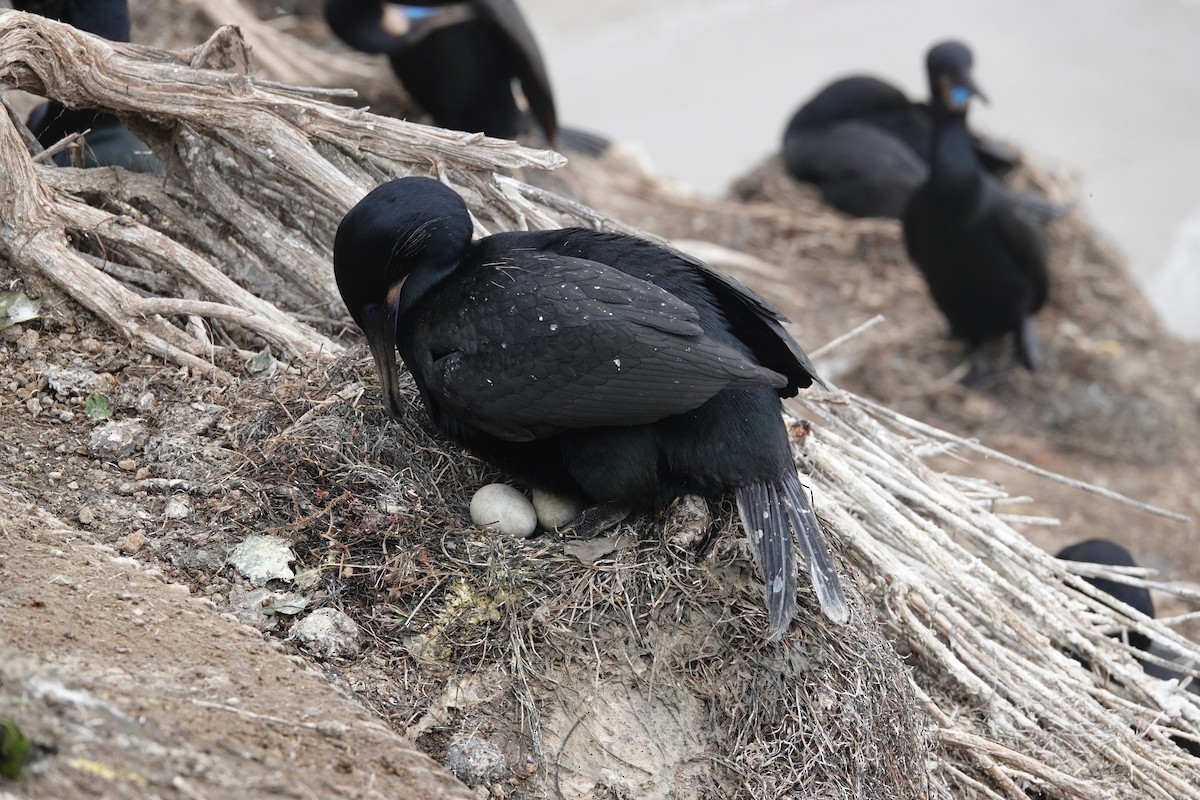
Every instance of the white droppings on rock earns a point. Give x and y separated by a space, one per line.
71 381
503 508
476 761
554 510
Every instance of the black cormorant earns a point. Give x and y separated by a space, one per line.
457 58
589 363
109 143
1103 551
982 256
866 146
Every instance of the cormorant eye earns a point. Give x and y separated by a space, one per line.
959 95
370 310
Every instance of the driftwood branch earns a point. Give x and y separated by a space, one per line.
286 58
256 177
988 616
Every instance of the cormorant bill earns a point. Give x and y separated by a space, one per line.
109 143
590 363
983 260
867 147
457 58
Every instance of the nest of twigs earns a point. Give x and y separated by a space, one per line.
627 668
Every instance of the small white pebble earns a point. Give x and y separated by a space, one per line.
554 510
503 508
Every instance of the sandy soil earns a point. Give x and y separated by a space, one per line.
130 683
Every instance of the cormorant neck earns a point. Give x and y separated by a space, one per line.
107 18
359 23
954 166
423 280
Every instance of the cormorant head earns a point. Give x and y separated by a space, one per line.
951 86
391 248
362 24
373 26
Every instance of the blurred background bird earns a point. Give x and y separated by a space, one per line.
458 60
982 256
867 147
107 141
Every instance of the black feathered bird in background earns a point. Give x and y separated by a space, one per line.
867 147
457 58
1104 551
106 18
108 143
983 257
589 363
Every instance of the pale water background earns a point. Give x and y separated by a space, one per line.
1108 88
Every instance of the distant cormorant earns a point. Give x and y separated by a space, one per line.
1103 551
867 147
457 58
982 256
109 143
589 363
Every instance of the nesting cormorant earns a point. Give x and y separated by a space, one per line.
867 147
589 363
983 258
457 58
109 143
